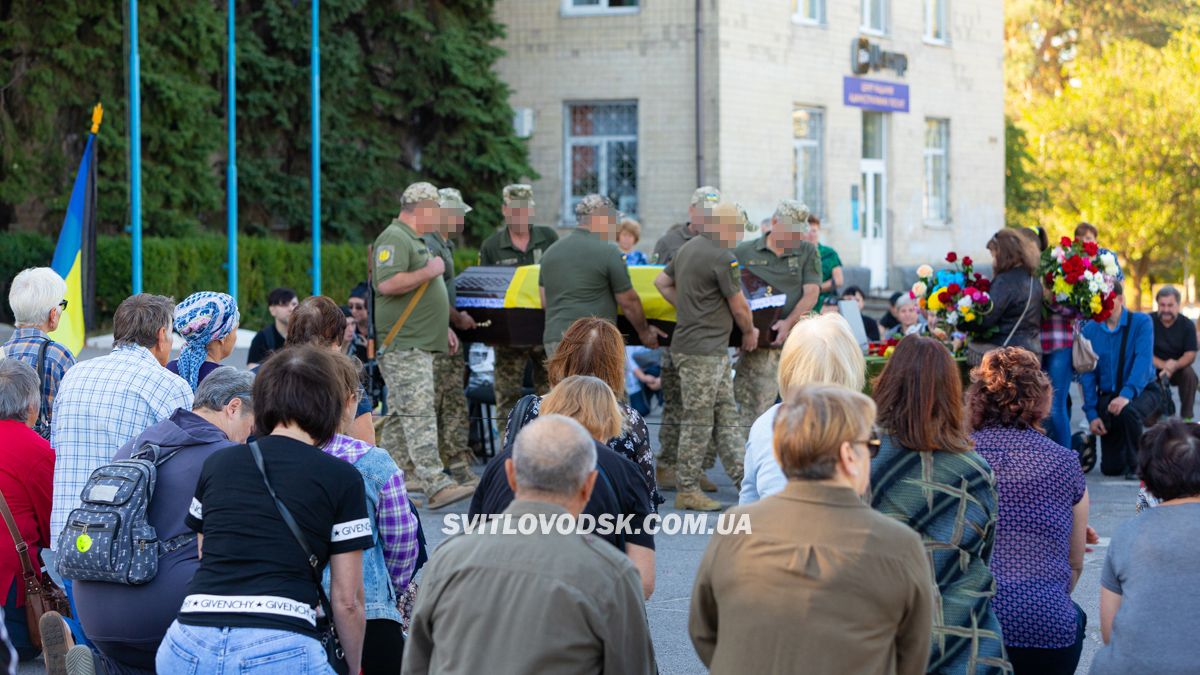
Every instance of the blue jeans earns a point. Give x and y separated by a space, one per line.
14 623
188 650
1057 364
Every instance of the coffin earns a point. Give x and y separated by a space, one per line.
505 302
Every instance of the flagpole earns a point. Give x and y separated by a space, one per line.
135 144
231 214
315 58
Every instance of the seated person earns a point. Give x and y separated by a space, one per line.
908 319
1175 348
643 378
869 325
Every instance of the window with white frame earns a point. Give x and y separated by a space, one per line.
937 15
874 16
808 131
586 7
937 170
809 11
601 154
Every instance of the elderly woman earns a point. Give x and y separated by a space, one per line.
1016 316
909 319
208 323
26 481
1041 531
820 349
620 490
37 298
593 346
823 584
1148 585
927 477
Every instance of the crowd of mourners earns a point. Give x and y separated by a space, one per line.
201 518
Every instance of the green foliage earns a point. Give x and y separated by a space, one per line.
1023 193
180 266
408 92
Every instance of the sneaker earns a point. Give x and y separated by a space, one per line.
707 485
448 495
56 640
80 661
665 477
695 501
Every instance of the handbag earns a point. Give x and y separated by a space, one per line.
42 595
976 350
1083 356
325 627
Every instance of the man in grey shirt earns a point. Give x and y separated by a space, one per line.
544 602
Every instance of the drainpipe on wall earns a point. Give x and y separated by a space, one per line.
699 94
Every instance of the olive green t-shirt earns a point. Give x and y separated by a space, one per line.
399 249
788 273
443 247
669 244
705 275
498 249
581 274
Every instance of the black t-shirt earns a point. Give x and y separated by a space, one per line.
871 327
253 573
888 322
265 343
623 493
1171 343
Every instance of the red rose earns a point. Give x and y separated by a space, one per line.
954 289
983 285
978 277
951 257
944 296
1090 248
967 262
1066 242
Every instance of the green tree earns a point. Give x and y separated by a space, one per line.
1023 192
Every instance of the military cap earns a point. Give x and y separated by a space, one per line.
518 192
450 198
419 192
705 195
794 213
593 203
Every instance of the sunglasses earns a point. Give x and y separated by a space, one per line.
873 443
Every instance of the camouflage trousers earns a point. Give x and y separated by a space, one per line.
451 405
510 375
709 414
410 430
668 432
757 385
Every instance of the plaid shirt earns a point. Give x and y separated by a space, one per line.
1057 333
395 521
102 403
25 345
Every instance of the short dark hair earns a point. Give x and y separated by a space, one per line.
361 291
894 297
852 290
1086 228
305 386
319 321
1168 290
139 318
280 296
1169 460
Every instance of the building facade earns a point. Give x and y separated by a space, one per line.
884 116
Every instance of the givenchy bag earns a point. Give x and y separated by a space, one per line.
41 593
326 629
977 350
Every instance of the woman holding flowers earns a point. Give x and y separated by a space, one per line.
1016 316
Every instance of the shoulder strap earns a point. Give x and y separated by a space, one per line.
1121 354
152 450
1028 302
412 304
41 373
284 513
28 570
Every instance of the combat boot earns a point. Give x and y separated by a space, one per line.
695 501
707 485
665 477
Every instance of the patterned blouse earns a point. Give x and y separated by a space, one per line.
634 443
1039 482
950 500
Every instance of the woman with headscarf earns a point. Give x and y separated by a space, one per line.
208 322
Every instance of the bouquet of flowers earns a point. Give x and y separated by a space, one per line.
883 348
957 298
1080 278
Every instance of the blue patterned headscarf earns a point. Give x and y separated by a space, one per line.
201 318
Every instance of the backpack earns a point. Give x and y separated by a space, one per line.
107 538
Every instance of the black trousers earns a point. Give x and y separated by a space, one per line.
1063 661
383 648
1118 448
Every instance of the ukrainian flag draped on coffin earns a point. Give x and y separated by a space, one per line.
74 255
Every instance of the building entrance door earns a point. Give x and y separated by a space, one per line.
873 207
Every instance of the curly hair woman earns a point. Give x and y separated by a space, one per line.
1040 535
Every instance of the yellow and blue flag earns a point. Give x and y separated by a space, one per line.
76 250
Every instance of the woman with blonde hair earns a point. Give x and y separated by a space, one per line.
620 490
820 349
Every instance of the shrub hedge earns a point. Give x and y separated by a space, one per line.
180 266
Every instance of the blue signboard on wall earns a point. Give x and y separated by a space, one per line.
875 95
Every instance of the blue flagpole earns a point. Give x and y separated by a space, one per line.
135 144
231 172
315 58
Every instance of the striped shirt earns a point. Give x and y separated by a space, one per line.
102 403
25 345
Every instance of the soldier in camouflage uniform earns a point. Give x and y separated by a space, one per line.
785 259
518 243
408 283
704 283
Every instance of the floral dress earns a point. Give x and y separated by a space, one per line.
634 443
